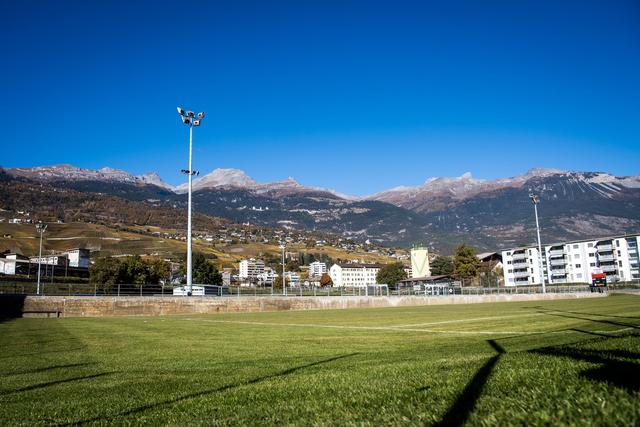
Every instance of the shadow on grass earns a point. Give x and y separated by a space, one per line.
206 392
52 383
465 402
620 373
38 353
48 368
11 306
603 321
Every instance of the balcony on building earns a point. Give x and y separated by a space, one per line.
555 253
517 274
519 256
605 247
608 267
605 258
559 262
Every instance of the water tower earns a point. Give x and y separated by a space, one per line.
420 262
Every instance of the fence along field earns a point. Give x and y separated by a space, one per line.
543 362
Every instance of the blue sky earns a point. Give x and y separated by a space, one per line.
352 95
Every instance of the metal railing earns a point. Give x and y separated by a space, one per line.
245 291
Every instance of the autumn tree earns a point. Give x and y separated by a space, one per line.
325 280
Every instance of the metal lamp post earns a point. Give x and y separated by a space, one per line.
41 228
190 119
536 199
284 281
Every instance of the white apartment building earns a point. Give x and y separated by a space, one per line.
317 269
251 268
574 262
354 275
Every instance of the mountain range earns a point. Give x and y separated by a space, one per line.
440 213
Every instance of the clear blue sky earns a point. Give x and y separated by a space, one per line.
357 96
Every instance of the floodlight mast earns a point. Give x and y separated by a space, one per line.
536 199
41 228
283 245
187 119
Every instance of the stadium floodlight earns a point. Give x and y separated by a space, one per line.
201 115
187 119
536 199
283 246
41 228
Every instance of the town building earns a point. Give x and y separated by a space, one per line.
354 275
574 262
251 268
292 279
267 277
317 269
13 263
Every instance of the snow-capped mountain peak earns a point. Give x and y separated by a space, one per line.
221 177
153 178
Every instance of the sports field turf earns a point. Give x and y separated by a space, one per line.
557 362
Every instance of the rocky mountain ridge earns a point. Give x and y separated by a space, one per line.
440 213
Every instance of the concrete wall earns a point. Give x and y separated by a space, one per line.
161 306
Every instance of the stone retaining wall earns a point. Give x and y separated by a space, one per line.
161 306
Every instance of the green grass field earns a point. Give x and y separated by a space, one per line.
558 362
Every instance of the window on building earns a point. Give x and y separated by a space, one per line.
619 254
589 245
532 270
579 276
593 264
508 253
620 263
509 262
617 243
529 251
576 246
592 254
510 271
578 265
576 256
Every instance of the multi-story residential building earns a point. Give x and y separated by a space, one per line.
317 269
354 275
574 262
251 268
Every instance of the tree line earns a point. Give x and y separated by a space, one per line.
463 265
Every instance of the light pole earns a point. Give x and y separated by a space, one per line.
41 228
189 119
536 199
283 245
